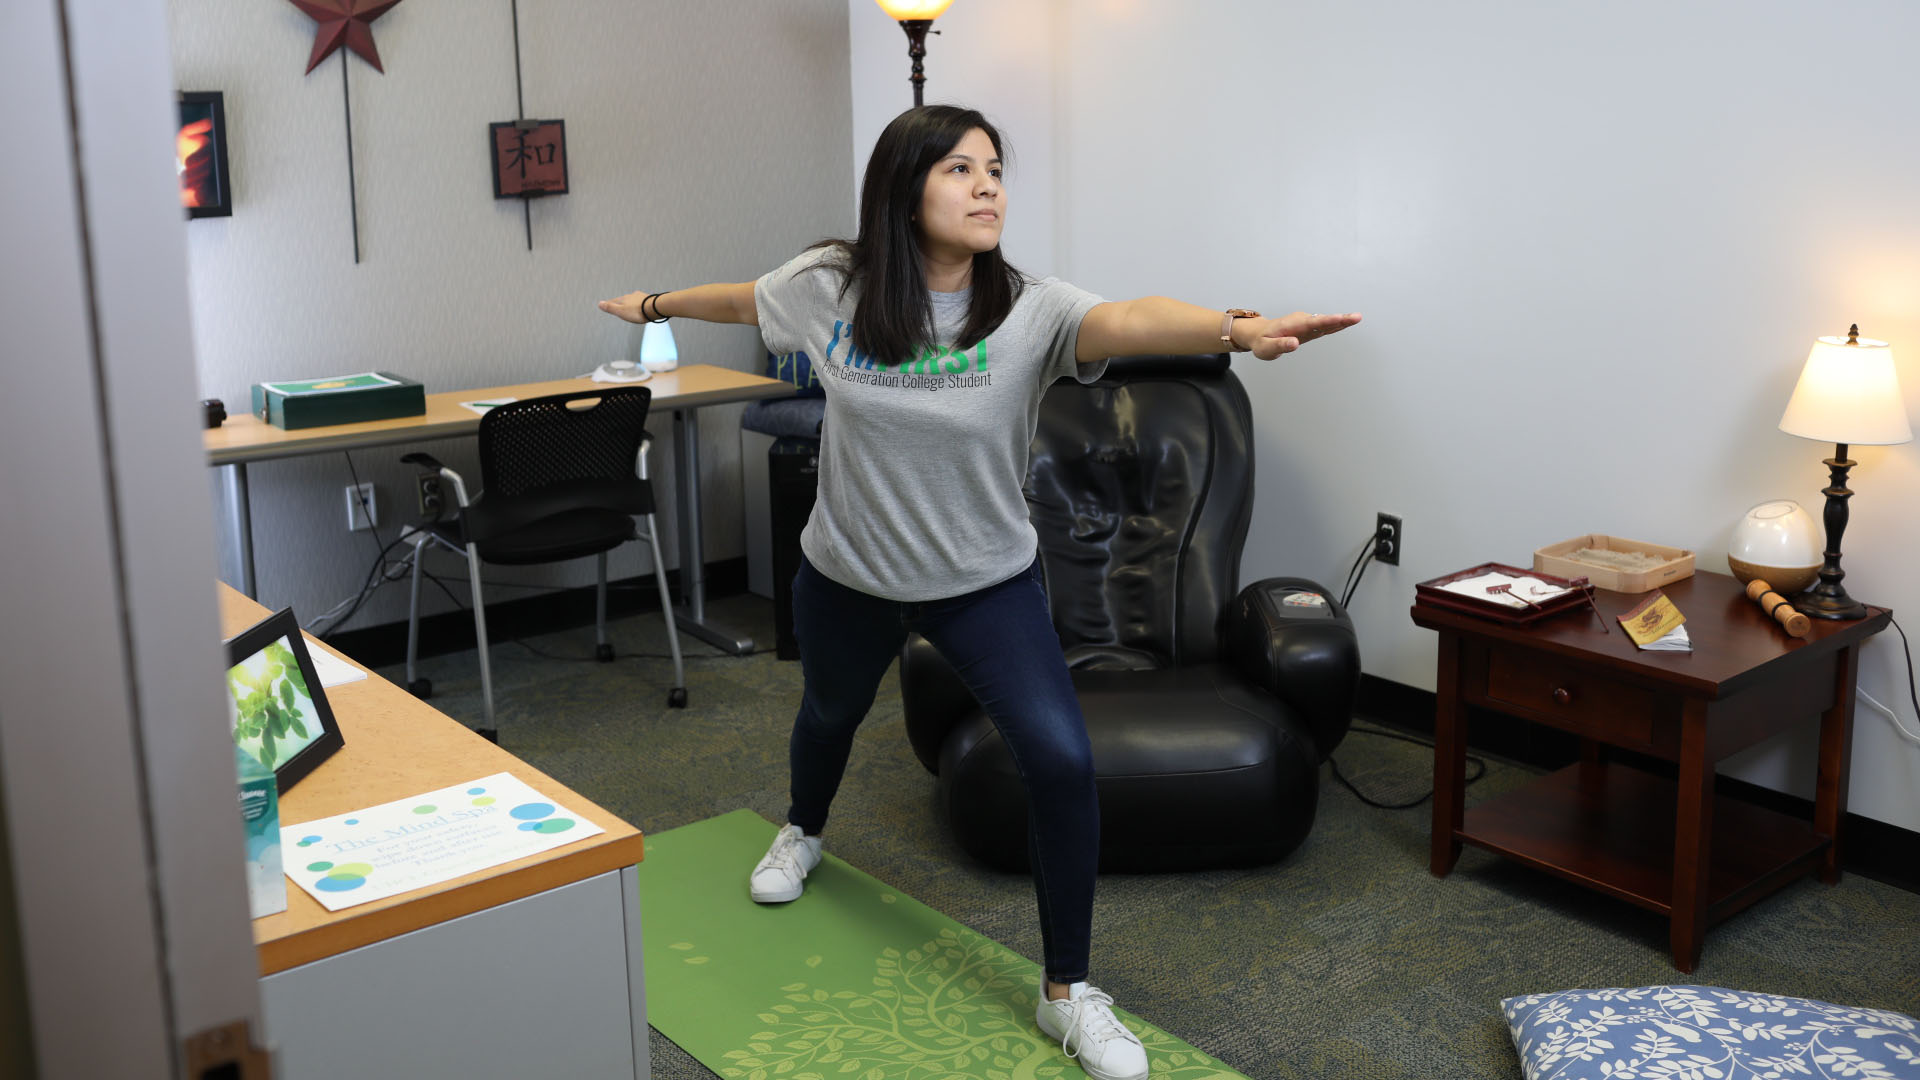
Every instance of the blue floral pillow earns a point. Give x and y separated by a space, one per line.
1706 1033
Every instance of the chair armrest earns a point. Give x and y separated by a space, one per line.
428 461
932 697
1304 654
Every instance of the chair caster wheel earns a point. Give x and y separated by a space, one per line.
677 697
492 735
421 688
603 653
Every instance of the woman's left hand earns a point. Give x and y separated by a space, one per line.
1288 332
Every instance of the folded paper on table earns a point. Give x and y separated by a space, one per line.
408 844
332 670
1652 620
1674 640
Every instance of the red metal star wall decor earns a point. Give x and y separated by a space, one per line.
344 22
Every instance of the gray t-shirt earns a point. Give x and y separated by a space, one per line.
922 463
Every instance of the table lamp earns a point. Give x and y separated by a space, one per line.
916 18
1848 393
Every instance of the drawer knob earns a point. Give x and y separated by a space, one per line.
1562 695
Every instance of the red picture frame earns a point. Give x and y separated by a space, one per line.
529 158
200 152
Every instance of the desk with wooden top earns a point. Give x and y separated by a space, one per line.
244 438
531 968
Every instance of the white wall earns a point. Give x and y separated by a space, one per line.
1593 244
997 56
706 141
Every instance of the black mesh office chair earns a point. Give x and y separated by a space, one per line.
564 476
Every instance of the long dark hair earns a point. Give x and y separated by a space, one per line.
893 319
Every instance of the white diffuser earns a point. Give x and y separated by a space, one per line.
1778 542
657 351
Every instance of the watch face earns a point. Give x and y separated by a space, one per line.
1243 313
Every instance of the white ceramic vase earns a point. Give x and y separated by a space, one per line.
1779 542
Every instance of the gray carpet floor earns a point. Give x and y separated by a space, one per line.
1348 959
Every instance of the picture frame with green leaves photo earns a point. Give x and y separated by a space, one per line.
279 712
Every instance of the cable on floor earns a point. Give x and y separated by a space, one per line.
1480 770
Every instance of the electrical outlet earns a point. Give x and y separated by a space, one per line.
1387 539
363 507
432 502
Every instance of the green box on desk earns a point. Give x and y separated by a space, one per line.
343 399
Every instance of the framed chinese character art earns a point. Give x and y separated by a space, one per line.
200 155
529 158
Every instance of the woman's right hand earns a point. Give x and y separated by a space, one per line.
626 307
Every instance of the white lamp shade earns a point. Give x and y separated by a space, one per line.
914 9
1848 393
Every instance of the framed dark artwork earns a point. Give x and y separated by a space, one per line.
529 158
200 153
279 711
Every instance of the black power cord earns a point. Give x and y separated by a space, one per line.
376 577
1906 650
1480 770
1355 574
1358 566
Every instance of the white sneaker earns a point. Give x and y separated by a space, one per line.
781 875
1087 1029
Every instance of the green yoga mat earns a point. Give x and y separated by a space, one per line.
853 981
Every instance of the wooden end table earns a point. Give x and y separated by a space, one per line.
1669 846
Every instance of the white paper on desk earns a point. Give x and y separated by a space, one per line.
1530 587
602 375
1674 640
483 407
332 670
411 843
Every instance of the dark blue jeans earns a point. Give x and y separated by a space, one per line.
1001 641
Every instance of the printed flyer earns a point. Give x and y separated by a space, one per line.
411 843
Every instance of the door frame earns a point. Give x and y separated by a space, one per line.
125 844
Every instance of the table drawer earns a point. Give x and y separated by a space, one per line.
1572 697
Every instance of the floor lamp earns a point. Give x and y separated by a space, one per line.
916 18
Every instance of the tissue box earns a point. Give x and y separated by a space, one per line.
260 813
342 399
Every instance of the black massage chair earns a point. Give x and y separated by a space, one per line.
1210 707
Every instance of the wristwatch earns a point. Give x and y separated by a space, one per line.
1226 326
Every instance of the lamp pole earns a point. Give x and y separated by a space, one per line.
917 49
1829 599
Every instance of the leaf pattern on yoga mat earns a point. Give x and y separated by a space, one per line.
959 1003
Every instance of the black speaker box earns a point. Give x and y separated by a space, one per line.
793 480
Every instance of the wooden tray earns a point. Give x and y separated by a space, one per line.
1431 594
1677 563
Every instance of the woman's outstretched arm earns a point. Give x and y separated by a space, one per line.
721 303
1155 324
